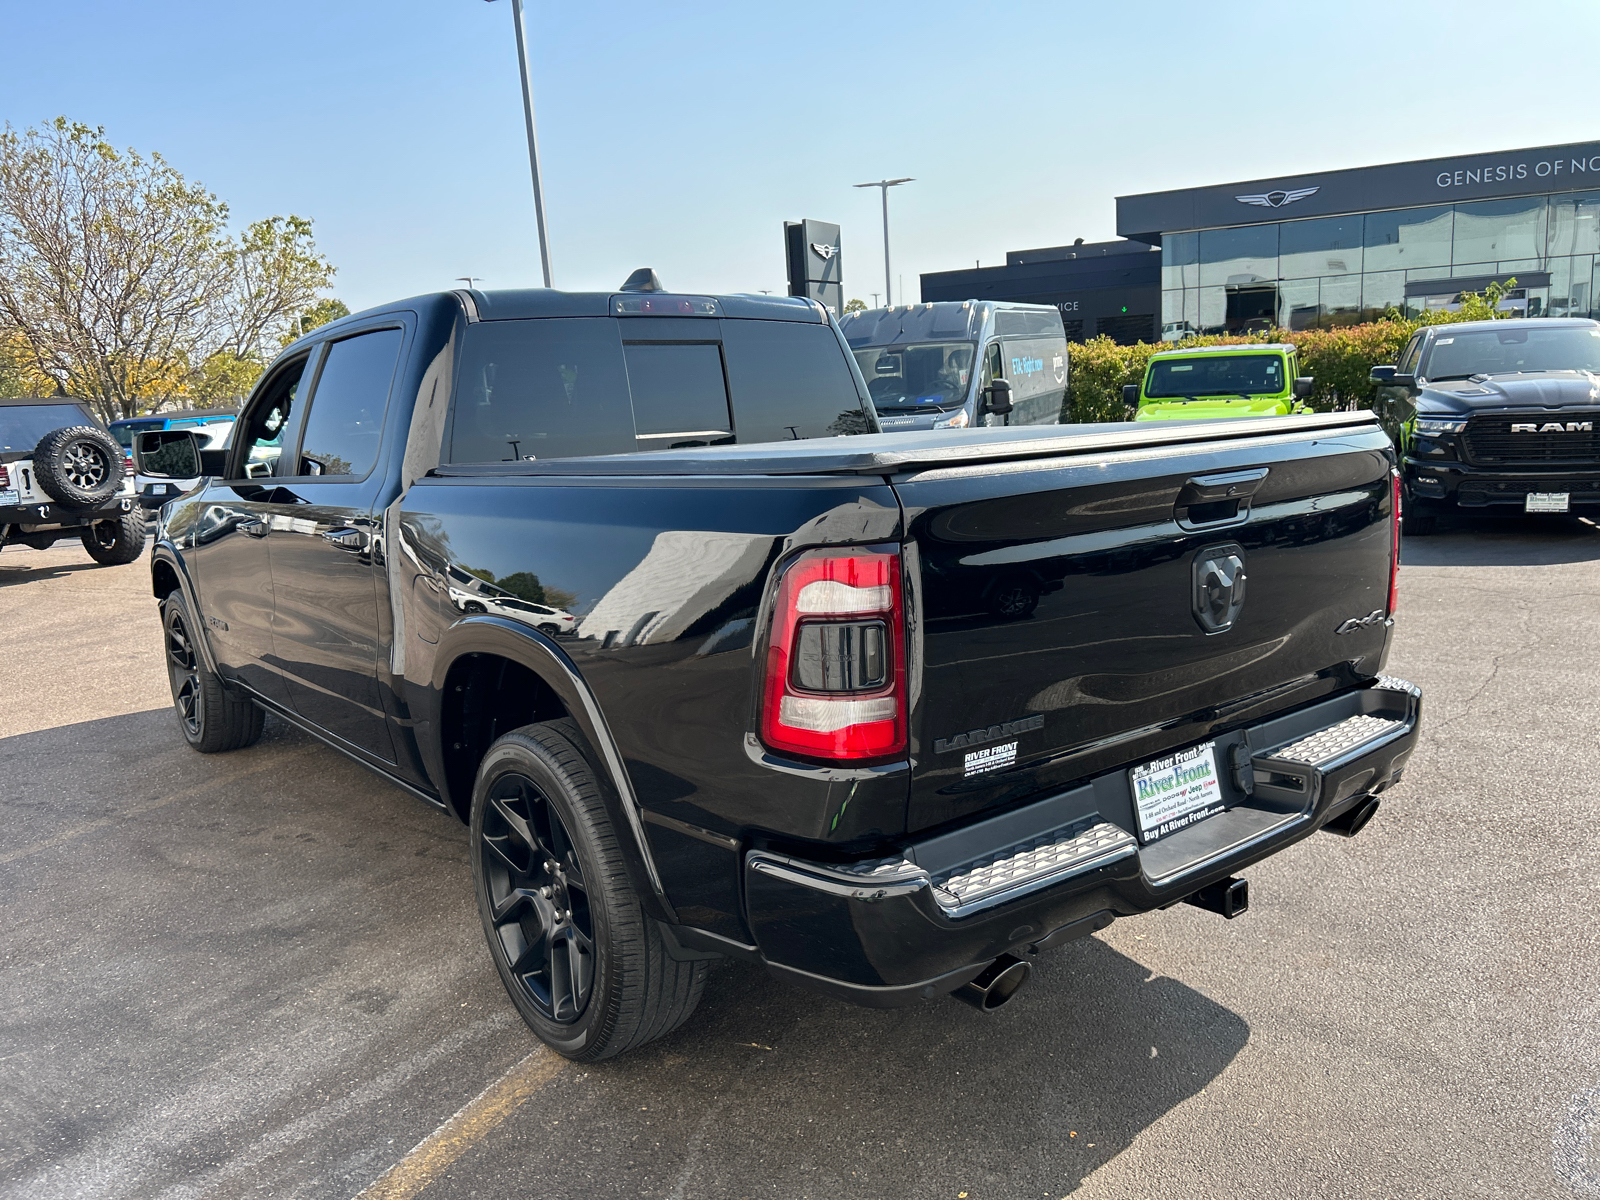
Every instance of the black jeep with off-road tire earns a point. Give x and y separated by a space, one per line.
62 473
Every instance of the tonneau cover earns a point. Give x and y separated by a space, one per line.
892 453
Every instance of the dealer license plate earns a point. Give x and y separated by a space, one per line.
10 496
1547 502
1173 793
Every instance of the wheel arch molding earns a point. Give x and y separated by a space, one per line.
491 652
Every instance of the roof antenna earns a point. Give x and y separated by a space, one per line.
642 280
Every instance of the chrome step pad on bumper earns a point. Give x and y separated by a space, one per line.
1354 734
1032 864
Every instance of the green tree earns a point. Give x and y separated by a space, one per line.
315 317
855 306
122 284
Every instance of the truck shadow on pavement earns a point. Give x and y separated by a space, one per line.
268 966
1504 542
775 1090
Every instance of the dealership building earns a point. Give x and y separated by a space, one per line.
1340 247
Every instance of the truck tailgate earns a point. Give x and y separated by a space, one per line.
1085 612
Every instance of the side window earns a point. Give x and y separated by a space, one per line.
261 439
1408 359
345 423
679 394
992 368
790 380
550 388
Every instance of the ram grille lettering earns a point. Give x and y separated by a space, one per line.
1555 427
978 737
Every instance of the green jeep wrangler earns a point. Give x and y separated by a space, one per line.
1220 381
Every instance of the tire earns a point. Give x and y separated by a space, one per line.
114 542
212 718
79 466
472 608
585 966
550 629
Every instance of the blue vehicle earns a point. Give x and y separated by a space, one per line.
153 495
918 361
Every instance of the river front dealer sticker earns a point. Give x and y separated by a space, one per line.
1173 793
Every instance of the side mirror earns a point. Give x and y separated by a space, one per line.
1130 395
1303 386
1382 376
1402 381
997 397
168 454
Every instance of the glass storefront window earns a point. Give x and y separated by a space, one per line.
1411 237
1180 313
1575 224
1381 291
1213 309
1180 260
1490 230
1298 304
1326 247
1238 255
1569 286
1341 300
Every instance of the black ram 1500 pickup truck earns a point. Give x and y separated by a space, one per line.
1495 416
787 723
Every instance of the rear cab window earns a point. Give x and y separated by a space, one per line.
564 387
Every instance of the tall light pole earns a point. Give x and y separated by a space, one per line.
885 185
533 138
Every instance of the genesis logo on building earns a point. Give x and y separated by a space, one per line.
1277 199
823 251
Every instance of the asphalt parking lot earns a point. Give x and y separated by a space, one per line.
261 974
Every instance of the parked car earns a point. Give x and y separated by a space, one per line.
1495 416
775 735
1220 381
961 364
62 474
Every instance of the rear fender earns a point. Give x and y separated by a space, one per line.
511 640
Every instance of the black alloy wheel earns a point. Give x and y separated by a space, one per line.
183 671
212 717
539 903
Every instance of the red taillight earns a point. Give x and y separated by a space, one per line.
835 685
5 477
1394 545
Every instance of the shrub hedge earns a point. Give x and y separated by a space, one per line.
1338 359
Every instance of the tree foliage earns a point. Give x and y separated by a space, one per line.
1339 359
854 306
121 284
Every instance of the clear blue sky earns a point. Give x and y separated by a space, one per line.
681 136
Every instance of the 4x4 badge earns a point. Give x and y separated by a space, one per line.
1375 617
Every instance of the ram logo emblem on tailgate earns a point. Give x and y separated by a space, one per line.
1555 427
1219 580
977 737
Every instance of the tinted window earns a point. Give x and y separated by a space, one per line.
22 425
677 389
345 423
1230 375
1522 346
791 380
540 389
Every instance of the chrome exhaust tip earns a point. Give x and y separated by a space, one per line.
1000 980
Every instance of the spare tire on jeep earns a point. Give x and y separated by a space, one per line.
80 466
